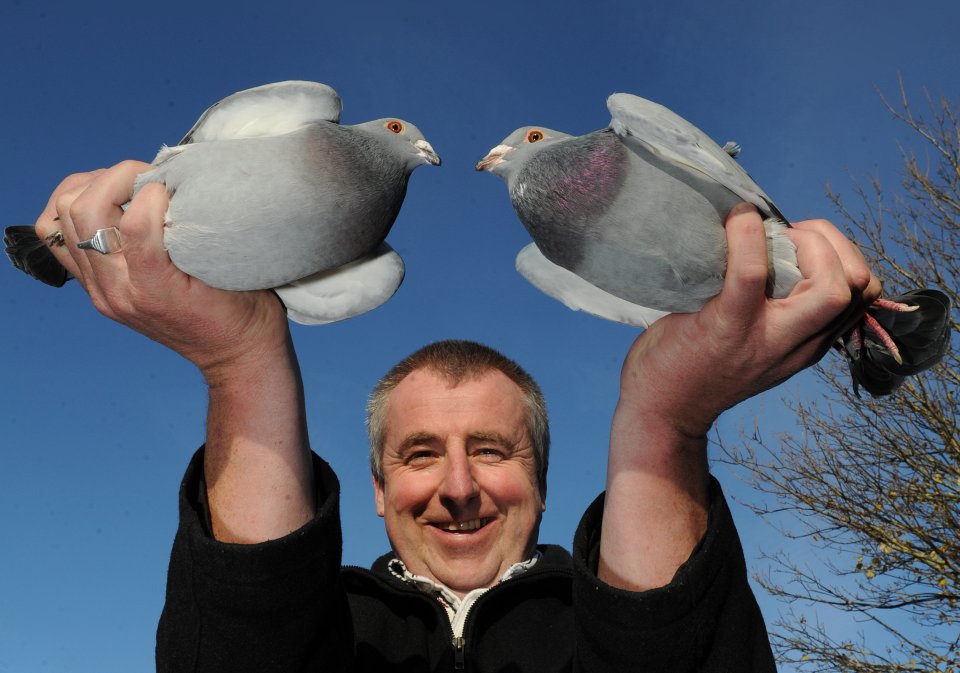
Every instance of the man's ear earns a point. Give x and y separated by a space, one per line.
378 493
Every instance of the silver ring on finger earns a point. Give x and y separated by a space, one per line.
105 241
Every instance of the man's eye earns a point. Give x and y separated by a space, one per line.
490 453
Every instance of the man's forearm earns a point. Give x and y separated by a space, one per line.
656 502
257 459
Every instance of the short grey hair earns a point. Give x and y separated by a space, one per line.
456 361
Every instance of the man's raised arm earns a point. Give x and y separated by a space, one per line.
257 458
687 369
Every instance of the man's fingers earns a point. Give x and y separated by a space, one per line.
67 254
143 235
744 287
81 212
81 206
833 272
73 183
824 295
100 204
58 232
859 276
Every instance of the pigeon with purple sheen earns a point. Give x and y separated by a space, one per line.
627 224
268 190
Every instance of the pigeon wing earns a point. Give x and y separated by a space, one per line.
673 138
345 291
268 110
578 294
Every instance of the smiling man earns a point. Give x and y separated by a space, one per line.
459 452
457 481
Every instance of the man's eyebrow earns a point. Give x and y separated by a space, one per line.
415 439
423 437
494 437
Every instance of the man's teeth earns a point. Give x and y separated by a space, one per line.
457 526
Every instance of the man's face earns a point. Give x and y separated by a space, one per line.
459 498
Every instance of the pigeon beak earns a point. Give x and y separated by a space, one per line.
494 158
426 151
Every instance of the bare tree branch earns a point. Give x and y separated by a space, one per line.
874 485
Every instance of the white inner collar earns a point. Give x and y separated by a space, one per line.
456 607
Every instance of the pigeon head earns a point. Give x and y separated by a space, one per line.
515 150
405 139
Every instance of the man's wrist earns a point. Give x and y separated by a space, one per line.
249 361
668 419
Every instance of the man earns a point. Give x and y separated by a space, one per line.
657 579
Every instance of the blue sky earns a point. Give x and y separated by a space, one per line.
98 423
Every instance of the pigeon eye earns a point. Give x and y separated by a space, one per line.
534 136
395 126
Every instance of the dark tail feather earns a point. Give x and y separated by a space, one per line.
32 256
922 336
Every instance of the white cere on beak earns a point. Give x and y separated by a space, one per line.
426 151
494 158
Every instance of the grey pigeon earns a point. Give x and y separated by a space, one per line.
627 224
268 190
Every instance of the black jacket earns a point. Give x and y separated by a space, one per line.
287 605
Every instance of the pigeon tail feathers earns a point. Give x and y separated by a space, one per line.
922 337
32 256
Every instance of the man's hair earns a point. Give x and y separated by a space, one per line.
456 361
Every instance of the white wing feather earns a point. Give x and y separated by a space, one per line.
578 294
344 292
268 110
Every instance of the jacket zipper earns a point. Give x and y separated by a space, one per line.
459 653
459 643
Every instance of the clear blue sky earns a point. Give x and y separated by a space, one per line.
98 423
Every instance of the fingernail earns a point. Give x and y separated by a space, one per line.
742 208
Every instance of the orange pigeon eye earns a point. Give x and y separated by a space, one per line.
534 136
395 126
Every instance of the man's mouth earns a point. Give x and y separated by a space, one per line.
463 526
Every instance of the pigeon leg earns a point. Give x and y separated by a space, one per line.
895 305
54 240
883 335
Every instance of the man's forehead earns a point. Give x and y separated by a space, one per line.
426 390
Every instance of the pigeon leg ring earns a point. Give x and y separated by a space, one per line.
104 241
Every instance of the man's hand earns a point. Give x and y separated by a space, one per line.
141 288
743 342
686 369
257 459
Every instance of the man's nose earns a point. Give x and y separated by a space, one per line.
459 485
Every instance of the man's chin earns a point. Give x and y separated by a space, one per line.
463 580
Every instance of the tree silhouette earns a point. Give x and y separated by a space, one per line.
874 484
